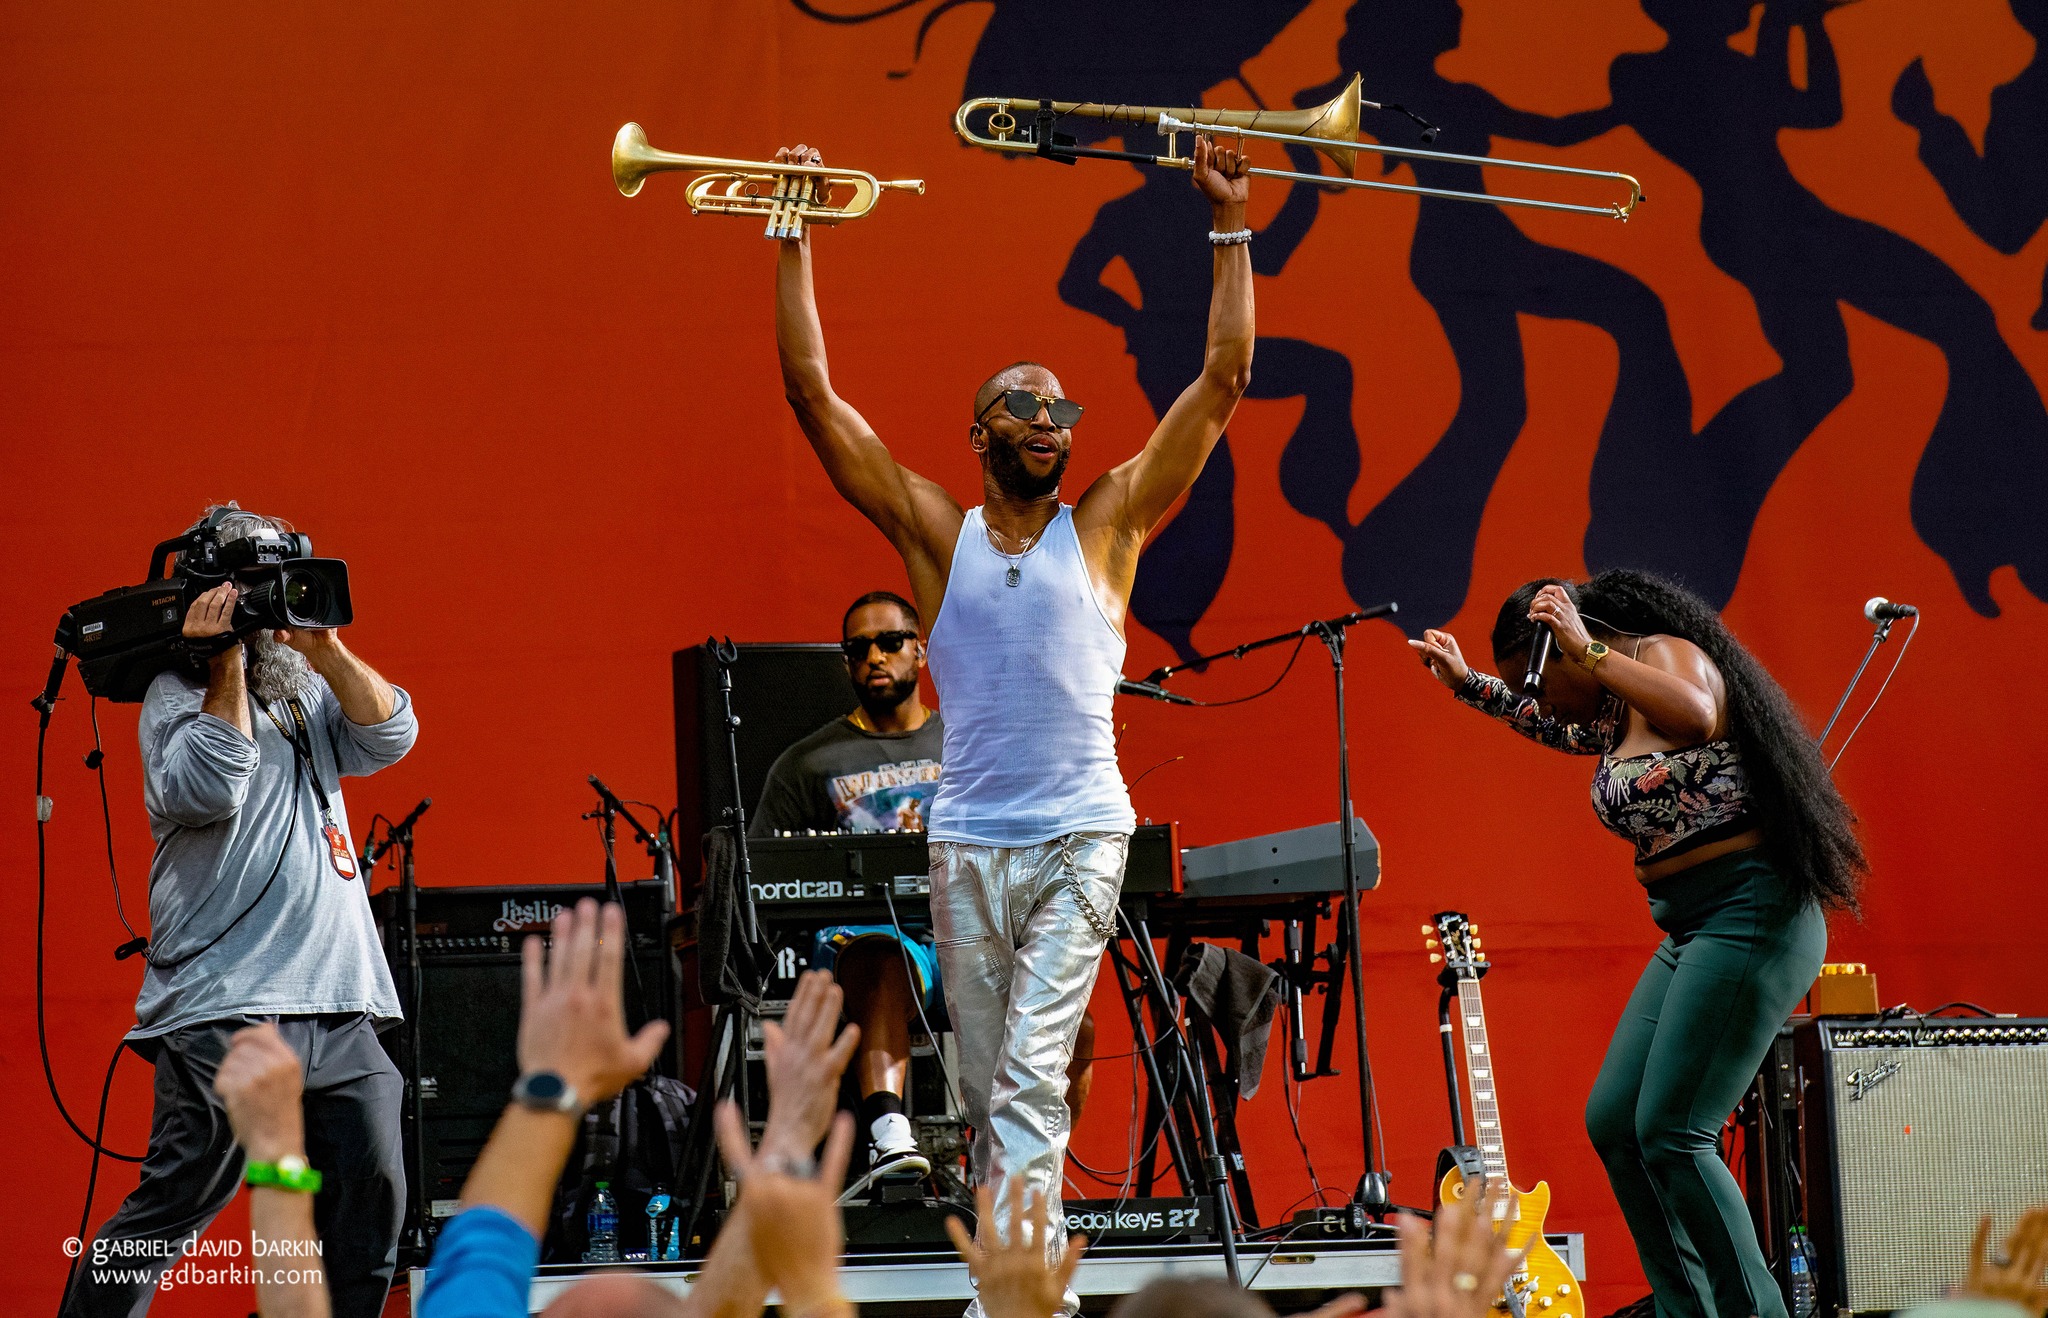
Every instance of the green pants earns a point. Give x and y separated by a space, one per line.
1741 951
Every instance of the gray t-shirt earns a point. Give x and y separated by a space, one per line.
841 777
222 810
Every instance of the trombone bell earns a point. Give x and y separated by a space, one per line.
789 196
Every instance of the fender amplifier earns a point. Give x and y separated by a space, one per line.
1915 1128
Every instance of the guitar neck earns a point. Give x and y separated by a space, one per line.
1486 1134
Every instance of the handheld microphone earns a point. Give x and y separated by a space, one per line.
1151 691
392 834
1539 658
1879 609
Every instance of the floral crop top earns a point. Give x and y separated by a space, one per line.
1666 802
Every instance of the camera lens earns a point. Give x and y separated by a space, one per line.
305 598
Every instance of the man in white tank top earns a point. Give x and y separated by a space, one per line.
1027 597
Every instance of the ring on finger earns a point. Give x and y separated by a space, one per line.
1465 1281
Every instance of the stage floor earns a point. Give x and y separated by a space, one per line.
1290 1275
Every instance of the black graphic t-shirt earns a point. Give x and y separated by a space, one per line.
841 777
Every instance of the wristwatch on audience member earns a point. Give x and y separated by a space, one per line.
290 1172
546 1091
1595 652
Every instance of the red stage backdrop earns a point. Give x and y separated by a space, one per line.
364 268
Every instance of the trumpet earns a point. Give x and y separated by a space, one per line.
1330 128
790 196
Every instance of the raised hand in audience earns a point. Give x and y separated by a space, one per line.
1458 1269
2018 1279
261 1082
804 1061
789 1210
1014 1277
572 1016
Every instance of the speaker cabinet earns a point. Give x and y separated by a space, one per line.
1914 1129
468 1014
781 693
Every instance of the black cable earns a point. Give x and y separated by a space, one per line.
97 762
1890 673
1288 1087
1267 690
42 907
1981 1011
92 1178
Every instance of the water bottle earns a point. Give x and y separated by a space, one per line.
1800 1265
661 1225
602 1223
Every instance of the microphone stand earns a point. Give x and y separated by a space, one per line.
1372 1194
609 808
1877 638
400 835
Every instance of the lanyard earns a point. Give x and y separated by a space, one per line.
301 738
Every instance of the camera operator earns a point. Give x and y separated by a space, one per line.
257 914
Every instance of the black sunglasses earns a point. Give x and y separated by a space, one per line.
855 648
1023 404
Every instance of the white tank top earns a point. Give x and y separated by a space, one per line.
1026 675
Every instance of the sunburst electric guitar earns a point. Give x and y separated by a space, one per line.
1542 1284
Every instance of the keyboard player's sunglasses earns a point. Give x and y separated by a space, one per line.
855 648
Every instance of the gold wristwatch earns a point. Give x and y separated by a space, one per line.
1595 652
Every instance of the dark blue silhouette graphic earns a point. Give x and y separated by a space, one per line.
1157 231
1687 511
2003 194
1478 271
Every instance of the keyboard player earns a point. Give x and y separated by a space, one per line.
873 770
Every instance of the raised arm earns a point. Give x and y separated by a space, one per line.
1129 500
917 516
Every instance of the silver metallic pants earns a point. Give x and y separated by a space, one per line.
1020 933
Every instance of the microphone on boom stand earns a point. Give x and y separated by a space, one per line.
373 848
1151 691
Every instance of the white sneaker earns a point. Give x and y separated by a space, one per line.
894 1150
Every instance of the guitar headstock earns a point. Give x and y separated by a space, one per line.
1453 940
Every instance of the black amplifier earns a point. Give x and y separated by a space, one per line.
470 921
468 1013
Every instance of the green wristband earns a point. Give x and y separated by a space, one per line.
288 1173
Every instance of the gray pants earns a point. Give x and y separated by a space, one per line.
194 1167
1020 933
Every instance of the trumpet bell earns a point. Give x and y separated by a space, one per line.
630 153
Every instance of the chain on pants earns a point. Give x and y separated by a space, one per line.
1020 933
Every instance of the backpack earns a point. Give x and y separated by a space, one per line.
633 1142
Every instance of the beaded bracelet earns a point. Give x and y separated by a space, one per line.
1231 239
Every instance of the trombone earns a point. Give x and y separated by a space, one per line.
790 196
1330 128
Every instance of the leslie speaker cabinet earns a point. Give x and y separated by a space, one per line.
1914 1129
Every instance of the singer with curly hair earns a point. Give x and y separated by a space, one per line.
1742 845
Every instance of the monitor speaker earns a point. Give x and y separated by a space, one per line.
1914 1129
781 693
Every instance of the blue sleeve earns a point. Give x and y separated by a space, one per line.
363 748
483 1267
197 767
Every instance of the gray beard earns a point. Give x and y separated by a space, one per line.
276 671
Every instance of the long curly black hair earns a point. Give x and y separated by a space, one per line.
1809 830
